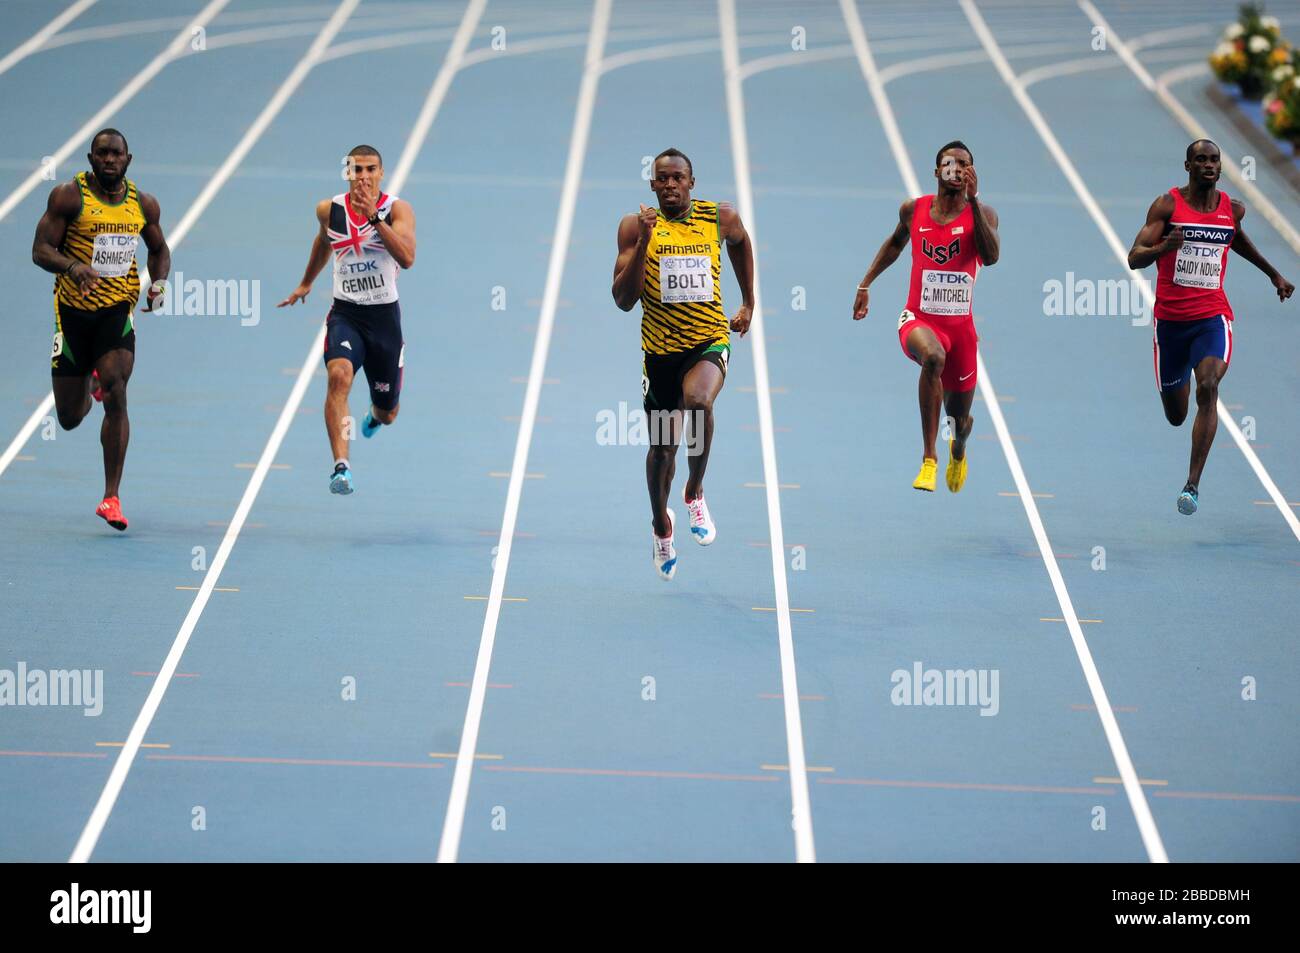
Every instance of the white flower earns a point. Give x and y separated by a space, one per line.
1295 83
1259 44
1224 49
1233 31
1270 23
1283 73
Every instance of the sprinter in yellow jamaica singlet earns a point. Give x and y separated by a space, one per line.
670 259
88 237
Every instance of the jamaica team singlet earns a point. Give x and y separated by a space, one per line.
681 302
104 236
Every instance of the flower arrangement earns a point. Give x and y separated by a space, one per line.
1251 51
1282 105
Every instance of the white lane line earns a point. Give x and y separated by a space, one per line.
483 54
26 430
1089 63
78 139
1119 750
117 777
1068 68
374 43
540 45
804 848
965 58
1257 198
661 52
407 37
1182 74
366 19
798 58
1161 37
453 823
93 124
37 39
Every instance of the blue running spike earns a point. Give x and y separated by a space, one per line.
341 480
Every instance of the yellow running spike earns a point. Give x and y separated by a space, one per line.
956 474
926 478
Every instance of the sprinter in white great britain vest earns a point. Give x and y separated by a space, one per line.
370 235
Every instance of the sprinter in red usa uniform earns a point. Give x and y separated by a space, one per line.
952 235
1188 232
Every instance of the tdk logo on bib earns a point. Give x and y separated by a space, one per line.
941 254
949 278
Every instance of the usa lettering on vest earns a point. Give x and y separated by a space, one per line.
940 254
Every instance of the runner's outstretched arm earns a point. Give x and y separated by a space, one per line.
160 256
320 256
741 252
1244 247
888 254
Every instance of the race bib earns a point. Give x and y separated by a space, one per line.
946 292
114 254
685 278
1199 265
904 318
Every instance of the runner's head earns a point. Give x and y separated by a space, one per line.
365 169
672 180
109 158
948 163
1203 164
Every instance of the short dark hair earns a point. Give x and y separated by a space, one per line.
955 144
109 132
364 150
1191 147
677 154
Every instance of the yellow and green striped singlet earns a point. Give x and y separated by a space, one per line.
104 235
681 303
